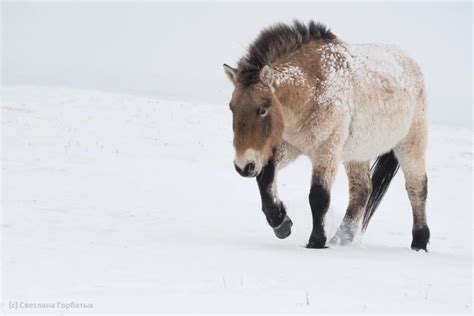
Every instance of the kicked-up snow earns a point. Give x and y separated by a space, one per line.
132 204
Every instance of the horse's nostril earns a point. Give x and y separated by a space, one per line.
249 168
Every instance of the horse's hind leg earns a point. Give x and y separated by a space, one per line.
272 207
411 156
359 191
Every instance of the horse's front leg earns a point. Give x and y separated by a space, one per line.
272 206
324 170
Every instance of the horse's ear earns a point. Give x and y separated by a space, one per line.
231 73
266 75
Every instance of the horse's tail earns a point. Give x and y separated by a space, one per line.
381 173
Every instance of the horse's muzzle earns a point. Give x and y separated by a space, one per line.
248 171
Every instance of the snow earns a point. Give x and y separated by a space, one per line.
289 74
372 65
387 60
132 204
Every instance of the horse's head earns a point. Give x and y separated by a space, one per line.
257 121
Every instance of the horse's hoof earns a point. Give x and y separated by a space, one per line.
336 241
421 237
317 243
341 239
284 229
418 248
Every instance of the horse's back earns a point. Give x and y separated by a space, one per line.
387 96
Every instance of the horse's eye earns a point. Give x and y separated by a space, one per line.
262 112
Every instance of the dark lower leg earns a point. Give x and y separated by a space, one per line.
417 192
272 207
319 198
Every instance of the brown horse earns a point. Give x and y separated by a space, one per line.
300 90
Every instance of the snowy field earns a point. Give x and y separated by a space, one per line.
133 204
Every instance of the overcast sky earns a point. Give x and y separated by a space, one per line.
176 50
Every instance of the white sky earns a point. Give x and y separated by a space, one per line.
176 50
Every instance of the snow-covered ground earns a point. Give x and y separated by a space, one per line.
133 204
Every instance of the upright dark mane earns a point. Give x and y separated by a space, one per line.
276 42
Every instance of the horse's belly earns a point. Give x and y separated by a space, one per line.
373 133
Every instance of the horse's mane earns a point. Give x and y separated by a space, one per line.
275 42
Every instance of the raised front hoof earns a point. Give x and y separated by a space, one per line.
421 238
284 229
317 243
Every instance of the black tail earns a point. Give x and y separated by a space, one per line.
381 173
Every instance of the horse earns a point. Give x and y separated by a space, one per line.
300 90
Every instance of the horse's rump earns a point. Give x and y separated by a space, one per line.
386 88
